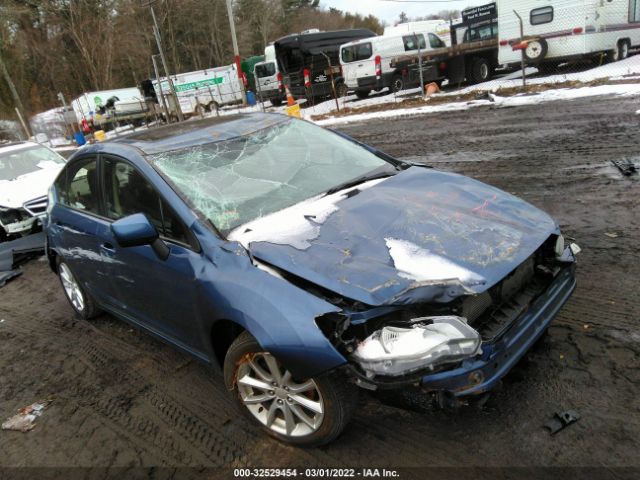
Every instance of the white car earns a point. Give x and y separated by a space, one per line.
26 171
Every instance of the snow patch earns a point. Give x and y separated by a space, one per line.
624 90
416 263
297 225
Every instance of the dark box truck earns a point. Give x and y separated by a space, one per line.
308 60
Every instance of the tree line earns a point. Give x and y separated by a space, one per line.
74 46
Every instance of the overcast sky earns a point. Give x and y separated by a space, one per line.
390 10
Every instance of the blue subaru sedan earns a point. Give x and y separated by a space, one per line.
303 265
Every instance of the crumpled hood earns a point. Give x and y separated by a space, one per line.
422 235
27 187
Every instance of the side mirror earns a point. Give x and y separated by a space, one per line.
136 230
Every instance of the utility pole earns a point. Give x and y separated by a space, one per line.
236 53
172 90
16 98
64 114
159 80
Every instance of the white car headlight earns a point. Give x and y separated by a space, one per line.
429 342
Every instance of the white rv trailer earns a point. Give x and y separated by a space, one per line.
557 31
366 63
203 90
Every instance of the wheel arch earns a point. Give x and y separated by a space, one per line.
223 333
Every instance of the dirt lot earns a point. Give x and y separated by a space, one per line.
123 399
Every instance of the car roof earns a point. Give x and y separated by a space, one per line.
198 132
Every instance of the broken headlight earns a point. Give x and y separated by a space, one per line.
10 215
559 248
428 342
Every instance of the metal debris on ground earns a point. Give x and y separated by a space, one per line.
627 167
561 420
18 251
611 234
24 420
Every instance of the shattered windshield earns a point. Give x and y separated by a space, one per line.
15 163
239 180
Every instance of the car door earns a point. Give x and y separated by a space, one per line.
77 225
159 294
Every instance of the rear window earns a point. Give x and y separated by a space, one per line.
541 15
357 53
414 42
484 32
265 70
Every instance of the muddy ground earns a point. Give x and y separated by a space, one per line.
123 399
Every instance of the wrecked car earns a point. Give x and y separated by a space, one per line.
27 170
304 265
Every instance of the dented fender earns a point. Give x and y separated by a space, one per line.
278 314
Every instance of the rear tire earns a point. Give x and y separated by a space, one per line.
302 412
362 94
397 84
481 70
342 90
81 302
621 52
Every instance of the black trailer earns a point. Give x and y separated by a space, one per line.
309 60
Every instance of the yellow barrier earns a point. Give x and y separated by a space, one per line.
99 135
294 111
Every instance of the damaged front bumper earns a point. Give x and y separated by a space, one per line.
16 222
480 374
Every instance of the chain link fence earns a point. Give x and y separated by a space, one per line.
503 45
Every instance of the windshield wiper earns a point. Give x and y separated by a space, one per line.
375 174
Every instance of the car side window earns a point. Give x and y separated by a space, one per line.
77 187
411 42
127 192
435 41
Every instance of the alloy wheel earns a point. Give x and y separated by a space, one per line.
276 400
71 288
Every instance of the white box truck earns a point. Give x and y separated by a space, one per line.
203 90
556 32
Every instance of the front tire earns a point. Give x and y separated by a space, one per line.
81 302
303 412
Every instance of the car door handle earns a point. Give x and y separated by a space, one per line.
107 249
